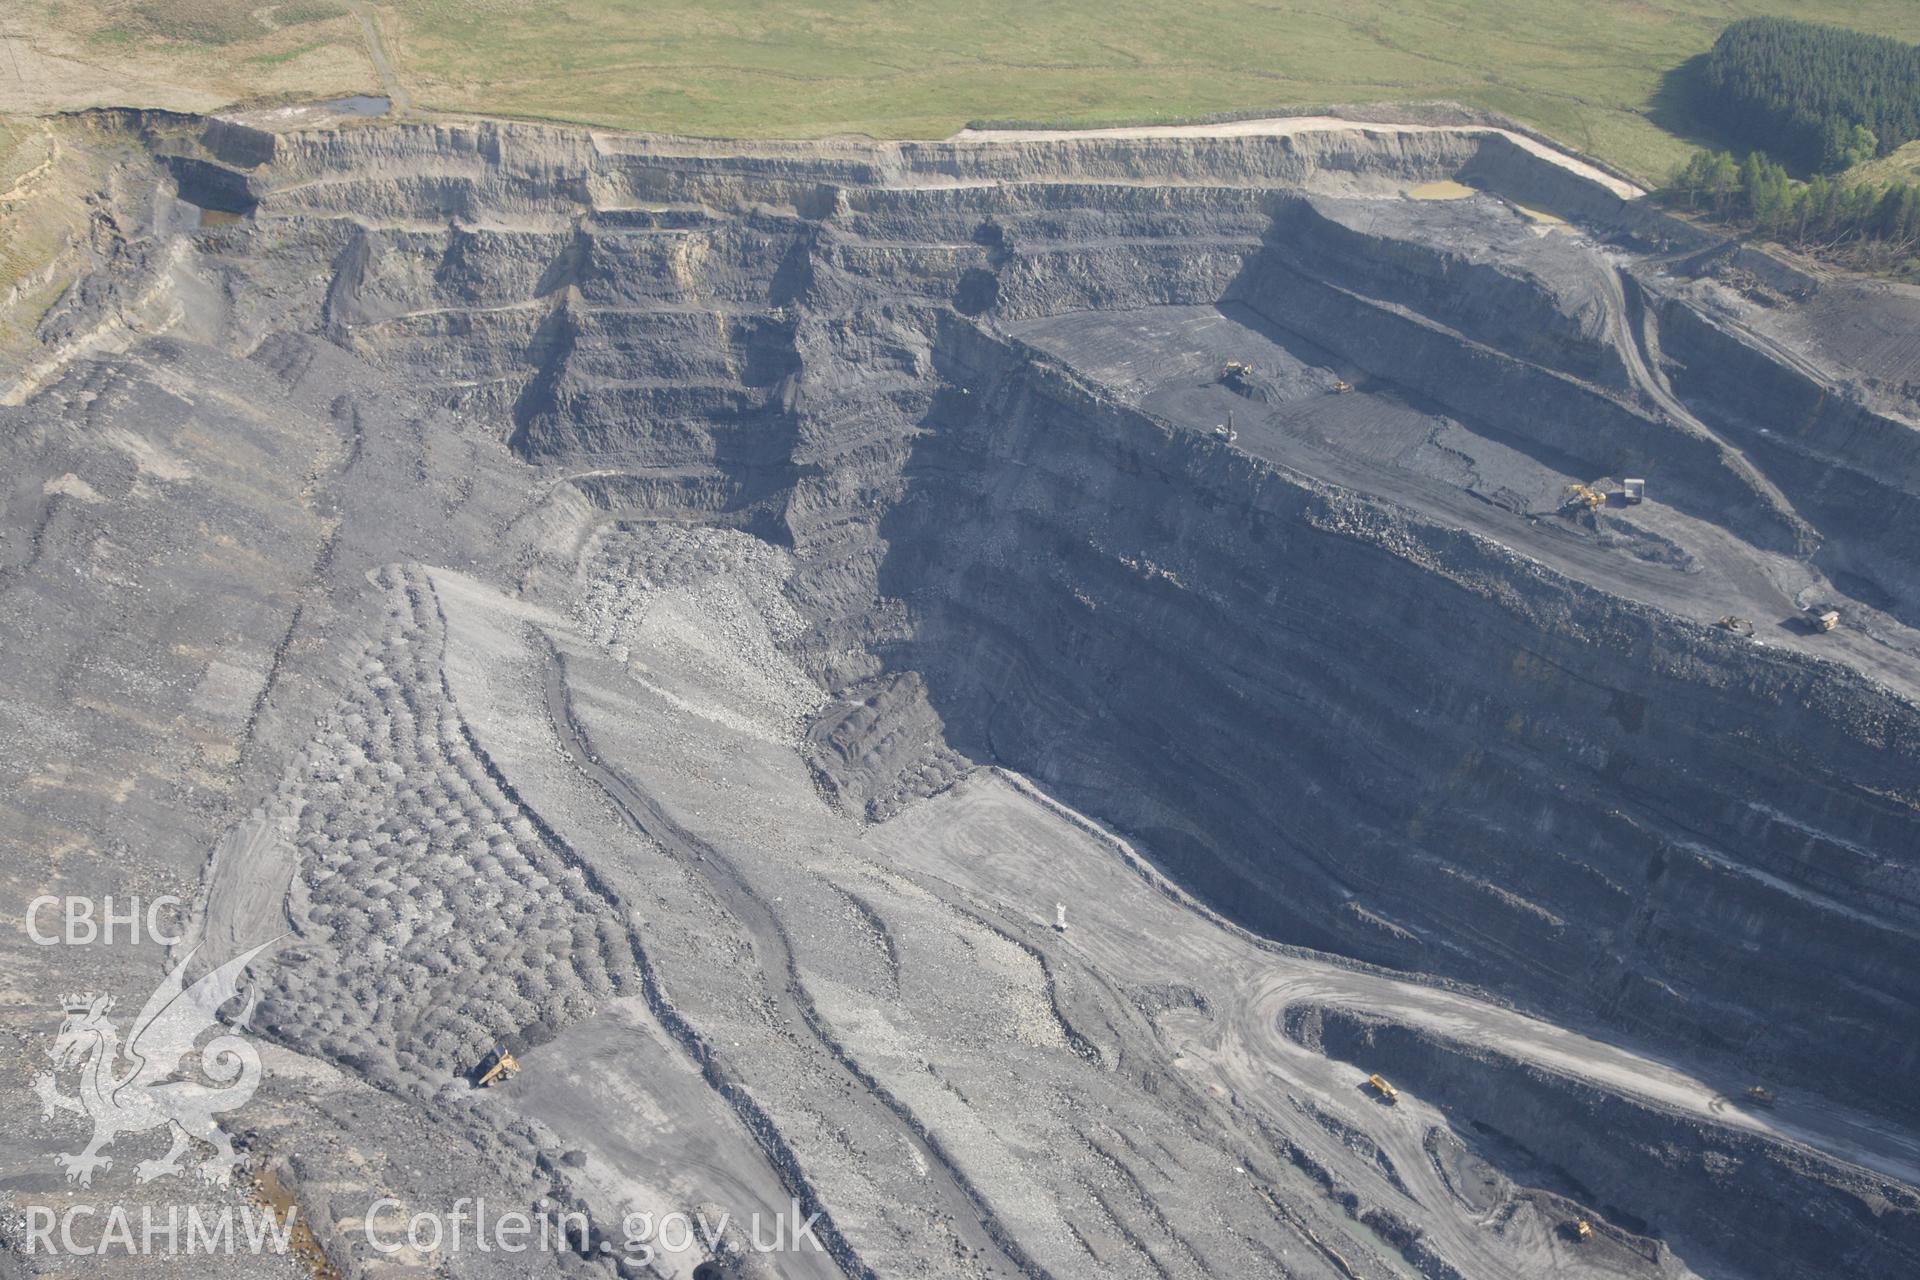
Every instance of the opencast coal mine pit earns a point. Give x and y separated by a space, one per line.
1331 701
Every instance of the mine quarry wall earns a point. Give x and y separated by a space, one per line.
496 160
1342 287
1358 732
1348 728
1560 329
1770 1209
1855 472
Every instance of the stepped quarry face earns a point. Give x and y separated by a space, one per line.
980 690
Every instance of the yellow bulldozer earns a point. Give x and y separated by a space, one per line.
1760 1096
1583 1229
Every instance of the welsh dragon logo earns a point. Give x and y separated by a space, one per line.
139 1085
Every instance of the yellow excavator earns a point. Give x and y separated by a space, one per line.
1386 1091
1341 386
1580 495
505 1067
1583 1229
1235 372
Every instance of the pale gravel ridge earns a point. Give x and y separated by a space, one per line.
1292 126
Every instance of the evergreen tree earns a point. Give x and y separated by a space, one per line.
1821 98
1881 224
1723 179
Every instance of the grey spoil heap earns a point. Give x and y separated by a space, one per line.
693 620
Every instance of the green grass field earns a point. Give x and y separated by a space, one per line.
1902 165
1588 72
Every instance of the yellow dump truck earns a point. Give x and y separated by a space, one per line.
504 1067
